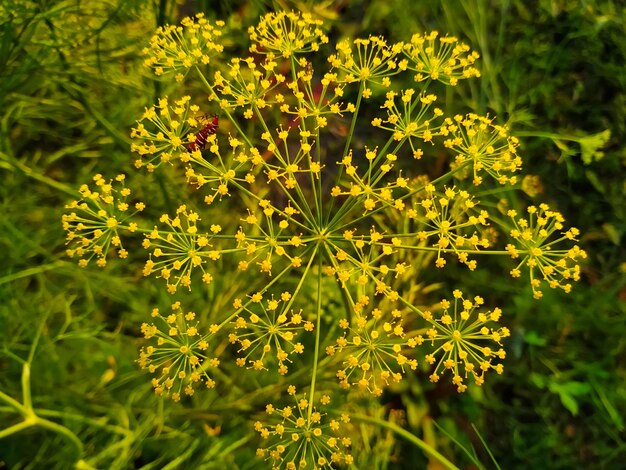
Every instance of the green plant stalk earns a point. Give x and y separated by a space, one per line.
267 287
31 419
408 436
31 271
29 172
305 209
346 147
351 203
26 408
549 135
317 334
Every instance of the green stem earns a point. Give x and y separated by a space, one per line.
304 207
349 204
62 430
354 118
85 420
32 271
26 395
17 406
408 436
347 146
31 420
17 428
265 289
317 335
29 172
548 135
301 282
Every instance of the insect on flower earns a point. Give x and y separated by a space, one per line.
209 128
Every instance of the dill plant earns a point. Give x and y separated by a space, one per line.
357 222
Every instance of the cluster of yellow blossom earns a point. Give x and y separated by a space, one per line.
410 121
313 187
374 348
361 260
179 249
246 84
168 133
463 342
222 168
268 325
440 58
178 354
95 221
287 34
178 48
303 437
535 244
367 61
452 218
483 145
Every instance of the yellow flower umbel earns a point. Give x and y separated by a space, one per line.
177 356
178 48
440 58
362 261
249 85
535 242
482 145
450 220
328 216
179 250
287 34
218 169
373 347
412 120
167 131
94 224
371 61
464 343
303 437
270 332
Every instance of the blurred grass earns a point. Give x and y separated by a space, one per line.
71 85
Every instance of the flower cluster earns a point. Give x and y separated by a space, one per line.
308 216
302 436
360 260
95 221
275 326
440 58
535 244
453 221
178 357
368 61
287 34
375 348
246 84
410 121
463 342
179 250
485 146
178 48
167 134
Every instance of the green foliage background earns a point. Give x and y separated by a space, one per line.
72 85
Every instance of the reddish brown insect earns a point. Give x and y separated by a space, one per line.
209 128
